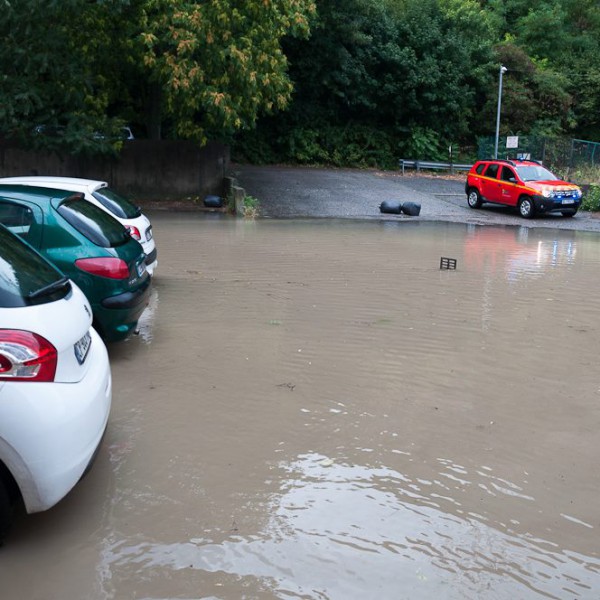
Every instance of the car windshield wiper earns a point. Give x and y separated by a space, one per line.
48 289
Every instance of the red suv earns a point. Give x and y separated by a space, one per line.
525 184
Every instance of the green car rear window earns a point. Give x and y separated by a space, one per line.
27 279
116 204
93 222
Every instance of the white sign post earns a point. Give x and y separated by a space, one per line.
512 141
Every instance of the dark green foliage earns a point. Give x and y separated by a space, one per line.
381 79
423 74
376 80
51 92
80 68
561 38
591 199
535 97
354 144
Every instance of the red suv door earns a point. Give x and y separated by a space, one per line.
490 185
509 186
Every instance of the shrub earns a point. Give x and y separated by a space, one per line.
251 206
350 145
423 144
591 199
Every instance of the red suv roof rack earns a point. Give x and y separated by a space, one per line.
504 160
528 160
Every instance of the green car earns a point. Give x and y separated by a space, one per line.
88 246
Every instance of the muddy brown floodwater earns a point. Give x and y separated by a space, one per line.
313 409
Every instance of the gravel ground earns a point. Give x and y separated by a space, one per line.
286 192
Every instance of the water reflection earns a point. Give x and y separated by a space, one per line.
145 326
518 251
343 531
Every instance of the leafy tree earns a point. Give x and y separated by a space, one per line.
47 80
451 45
413 70
213 66
204 66
562 40
377 77
535 97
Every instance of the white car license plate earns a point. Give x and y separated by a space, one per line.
82 347
568 201
141 268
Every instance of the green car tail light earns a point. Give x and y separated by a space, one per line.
112 268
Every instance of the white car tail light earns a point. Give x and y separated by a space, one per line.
134 232
26 356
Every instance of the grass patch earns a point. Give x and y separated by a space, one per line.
251 207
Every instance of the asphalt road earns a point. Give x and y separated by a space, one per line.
295 192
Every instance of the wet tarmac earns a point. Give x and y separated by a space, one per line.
297 192
314 409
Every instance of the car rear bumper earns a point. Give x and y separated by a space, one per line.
54 430
151 261
149 247
118 315
129 300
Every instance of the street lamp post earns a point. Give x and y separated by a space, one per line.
503 70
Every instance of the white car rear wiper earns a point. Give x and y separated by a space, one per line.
48 289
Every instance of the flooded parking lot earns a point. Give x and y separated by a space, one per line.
313 409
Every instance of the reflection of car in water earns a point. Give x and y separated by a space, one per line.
145 326
518 251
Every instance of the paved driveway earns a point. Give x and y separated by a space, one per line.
286 192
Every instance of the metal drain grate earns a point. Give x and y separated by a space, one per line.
449 264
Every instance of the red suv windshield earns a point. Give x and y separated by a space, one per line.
535 173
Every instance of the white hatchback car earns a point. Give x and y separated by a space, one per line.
55 382
100 194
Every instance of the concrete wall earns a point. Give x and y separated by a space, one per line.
145 169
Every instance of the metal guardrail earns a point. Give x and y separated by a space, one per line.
426 164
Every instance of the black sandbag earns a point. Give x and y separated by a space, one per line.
213 202
411 208
391 206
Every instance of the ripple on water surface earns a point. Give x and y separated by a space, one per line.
355 346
